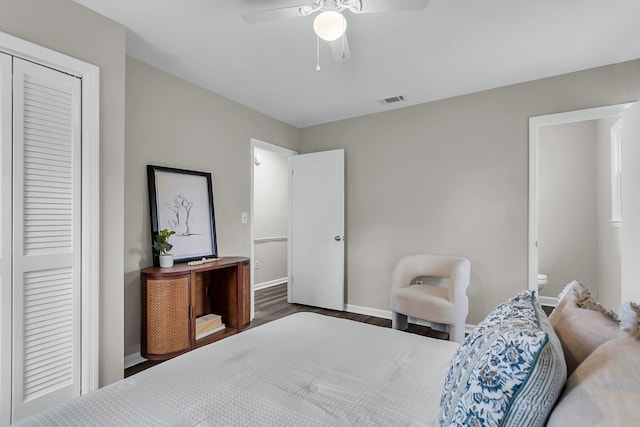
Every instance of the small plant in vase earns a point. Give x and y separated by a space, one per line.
162 245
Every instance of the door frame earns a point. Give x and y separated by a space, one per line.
256 143
90 216
535 123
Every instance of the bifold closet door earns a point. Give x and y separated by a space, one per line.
46 230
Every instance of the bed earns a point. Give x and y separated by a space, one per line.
302 370
312 370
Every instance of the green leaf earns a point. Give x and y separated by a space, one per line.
161 243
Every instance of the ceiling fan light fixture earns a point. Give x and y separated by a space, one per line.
330 25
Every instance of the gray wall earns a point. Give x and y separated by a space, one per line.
451 177
567 206
270 215
69 28
171 122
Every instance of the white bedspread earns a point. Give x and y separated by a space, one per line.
303 370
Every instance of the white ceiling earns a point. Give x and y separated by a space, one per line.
451 48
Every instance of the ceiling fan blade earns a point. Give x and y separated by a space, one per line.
340 49
375 6
274 14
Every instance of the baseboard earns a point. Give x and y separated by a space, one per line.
133 360
550 301
368 311
386 314
270 283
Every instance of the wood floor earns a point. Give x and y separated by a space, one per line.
271 304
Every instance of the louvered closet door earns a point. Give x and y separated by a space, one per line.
46 224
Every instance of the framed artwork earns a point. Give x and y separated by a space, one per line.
182 201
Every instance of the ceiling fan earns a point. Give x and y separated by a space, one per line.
330 23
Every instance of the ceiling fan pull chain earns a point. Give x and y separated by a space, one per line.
317 53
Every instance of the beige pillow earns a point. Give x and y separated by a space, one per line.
630 318
604 390
581 324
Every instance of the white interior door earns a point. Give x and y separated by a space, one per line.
46 244
316 249
630 200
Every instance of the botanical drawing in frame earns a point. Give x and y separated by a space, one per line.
182 200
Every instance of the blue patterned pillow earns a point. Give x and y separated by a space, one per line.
508 372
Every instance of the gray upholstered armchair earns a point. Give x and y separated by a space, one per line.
437 304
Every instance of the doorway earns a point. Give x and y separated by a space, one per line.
297 202
269 216
567 145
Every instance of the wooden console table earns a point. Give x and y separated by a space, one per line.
172 299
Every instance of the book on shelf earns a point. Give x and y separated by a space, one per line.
207 322
208 332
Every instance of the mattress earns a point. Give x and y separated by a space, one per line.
302 370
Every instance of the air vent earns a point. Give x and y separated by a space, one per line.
391 100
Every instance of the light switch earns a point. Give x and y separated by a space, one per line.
244 217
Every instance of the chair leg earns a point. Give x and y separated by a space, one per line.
399 321
456 333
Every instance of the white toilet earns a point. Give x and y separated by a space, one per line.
542 280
